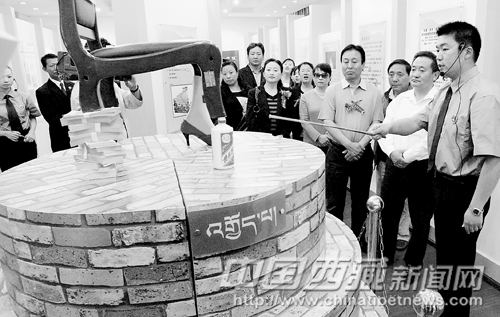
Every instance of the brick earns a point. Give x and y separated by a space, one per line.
3 211
274 263
136 312
14 213
54 219
221 301
288 189
181 309
31 233
118 218
91 277
298 199
5 226
255 252
160 292
267 302
292 238
214 284
169 214
68 311
56 255
315 221
173 252
6 243
305 245
207 267
306 211
30 303
149 234
22 249
38 272
318 186
12 277
95 296
122 257
18 310
163 273
301 183
45 292
2 255
82 237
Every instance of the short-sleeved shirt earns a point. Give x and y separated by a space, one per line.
471 127
25 108
338 101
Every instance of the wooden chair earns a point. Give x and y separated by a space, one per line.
96 70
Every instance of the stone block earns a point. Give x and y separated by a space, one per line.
31 233
207 267
306 211
163 273
168 232
68 311
173 252
292 238
82 237
222 301
119 218
42 291
298 199
255 252
95 296
181 309
90 277
62 256
158 293
6 243
30 303
301 183
122 257
54 219
305 245
169 214
156 311
22 249
14 213
38 272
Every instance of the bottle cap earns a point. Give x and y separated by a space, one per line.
221 120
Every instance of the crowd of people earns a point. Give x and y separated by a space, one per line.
436 151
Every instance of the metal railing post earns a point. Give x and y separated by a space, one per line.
428 303
375 204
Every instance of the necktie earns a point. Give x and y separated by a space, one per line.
62 88
15 123
439 129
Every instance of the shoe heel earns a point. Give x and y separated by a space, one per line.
186 135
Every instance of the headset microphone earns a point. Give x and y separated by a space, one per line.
461 47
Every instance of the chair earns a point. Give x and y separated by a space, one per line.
96 70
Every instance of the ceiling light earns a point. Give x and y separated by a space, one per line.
294 1
275 11
225 11
36 9
236 2
267 15
284 7
46 13
98 9
22 2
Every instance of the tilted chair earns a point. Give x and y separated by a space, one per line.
78 19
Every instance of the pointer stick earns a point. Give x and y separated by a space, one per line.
272 116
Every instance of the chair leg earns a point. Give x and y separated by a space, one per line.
209 65
89 102
197 121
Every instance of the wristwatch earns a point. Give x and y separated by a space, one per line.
476 211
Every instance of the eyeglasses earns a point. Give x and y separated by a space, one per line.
324 75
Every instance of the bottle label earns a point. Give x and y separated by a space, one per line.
227 149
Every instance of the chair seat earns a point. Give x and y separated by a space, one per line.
141 49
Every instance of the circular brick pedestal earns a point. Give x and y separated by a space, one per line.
171 237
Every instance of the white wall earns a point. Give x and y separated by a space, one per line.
237 34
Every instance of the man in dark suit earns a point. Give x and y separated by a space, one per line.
251 75
54 101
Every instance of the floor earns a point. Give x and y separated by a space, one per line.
490 294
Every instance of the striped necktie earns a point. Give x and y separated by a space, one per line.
439 129
15 123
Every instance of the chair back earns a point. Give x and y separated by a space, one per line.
78 20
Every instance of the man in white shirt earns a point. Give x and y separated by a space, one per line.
406 171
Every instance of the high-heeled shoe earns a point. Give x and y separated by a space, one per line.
197 122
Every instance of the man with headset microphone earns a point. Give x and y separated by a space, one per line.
463 123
